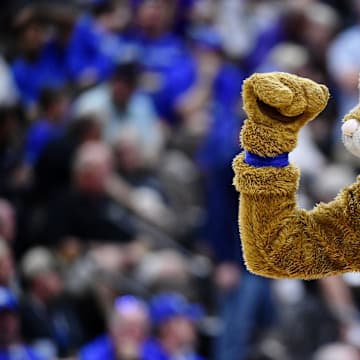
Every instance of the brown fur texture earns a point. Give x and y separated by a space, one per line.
280 240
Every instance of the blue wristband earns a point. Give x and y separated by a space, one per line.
278 161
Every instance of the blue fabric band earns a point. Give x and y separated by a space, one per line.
260 161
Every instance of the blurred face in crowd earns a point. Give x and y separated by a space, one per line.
47 285
178 331
118 18
154 16
121 91
7 221
128 152
9 328
32 37
131 326
93 167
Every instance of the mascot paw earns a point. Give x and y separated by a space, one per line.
278 105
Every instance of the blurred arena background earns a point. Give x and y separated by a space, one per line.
118 220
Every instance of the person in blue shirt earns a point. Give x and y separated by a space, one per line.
245 303
11 347
124 109
41 62
99 42
128 329
169 69
244 300
226 78
175 320
219 144
54 105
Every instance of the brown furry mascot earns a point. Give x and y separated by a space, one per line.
279 239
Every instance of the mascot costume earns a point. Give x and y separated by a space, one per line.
279 239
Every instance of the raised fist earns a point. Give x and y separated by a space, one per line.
278 105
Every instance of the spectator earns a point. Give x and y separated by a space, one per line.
175 322
128 329
214 160
218 82
321 23
250 29
40 63
48 319
169 69
137 168
121 105
85 211
53 168
53 109
99 42
10 343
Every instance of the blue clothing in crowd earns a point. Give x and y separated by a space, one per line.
227 86
215 158
48 70
265 42
102 348
169 72
39 135
245 310
19 352
154 351
247 307
92 47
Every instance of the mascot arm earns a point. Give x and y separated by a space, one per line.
279 239
282 241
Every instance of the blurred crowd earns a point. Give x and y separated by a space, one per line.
119 120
